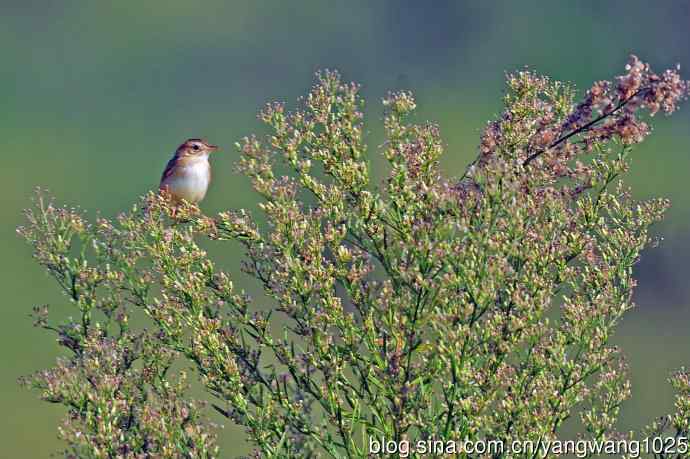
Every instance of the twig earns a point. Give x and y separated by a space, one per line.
581 129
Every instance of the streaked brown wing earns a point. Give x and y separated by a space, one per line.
169 170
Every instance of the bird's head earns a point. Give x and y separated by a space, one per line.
195 148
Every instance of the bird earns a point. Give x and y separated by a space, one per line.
188 173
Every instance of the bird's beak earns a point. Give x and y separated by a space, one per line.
214 147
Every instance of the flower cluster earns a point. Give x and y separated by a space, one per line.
426 308
121 396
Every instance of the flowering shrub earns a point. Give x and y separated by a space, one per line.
426 308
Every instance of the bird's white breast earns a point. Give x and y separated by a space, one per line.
191 181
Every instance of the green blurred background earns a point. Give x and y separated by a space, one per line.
96 95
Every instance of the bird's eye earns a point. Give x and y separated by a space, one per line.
195 147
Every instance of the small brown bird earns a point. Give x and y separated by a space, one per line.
188 173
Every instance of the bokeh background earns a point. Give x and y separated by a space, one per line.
96 95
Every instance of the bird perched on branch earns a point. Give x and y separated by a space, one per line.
188 174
